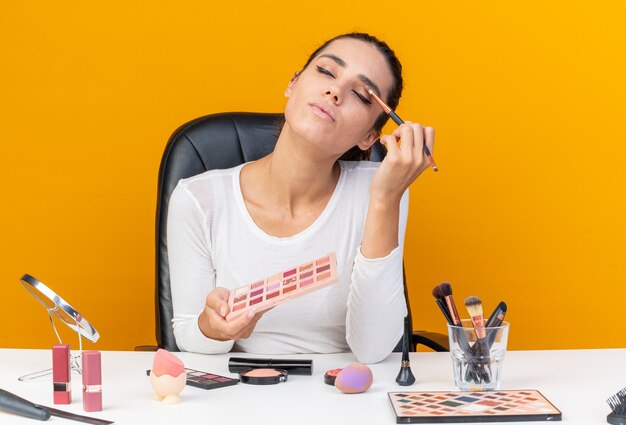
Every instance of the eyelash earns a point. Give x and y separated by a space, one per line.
330 74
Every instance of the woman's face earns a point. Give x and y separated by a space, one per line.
328 104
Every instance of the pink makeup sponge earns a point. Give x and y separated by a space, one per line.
165 363
356 378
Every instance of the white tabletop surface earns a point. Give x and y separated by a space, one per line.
575 381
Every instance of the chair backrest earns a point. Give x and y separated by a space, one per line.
212 142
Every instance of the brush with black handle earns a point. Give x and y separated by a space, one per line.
20 406
445 301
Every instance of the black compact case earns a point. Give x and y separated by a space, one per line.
293 366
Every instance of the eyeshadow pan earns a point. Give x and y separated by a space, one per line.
255 293
256 300
272 295
322 261
241 297
323 276
306 282
239 306
306 267
307 274
289 273
289 288
273 286
256 285
323 268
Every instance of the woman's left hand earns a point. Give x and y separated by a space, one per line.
403 163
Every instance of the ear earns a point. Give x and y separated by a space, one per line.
369 139
292 82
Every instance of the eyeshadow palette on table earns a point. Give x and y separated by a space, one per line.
283 286
458 406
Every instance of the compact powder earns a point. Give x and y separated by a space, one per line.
263 376
262 373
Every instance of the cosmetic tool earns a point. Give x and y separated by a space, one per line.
446 289
475 309
617 403
399 121
405 376
20 406
439 299
495 320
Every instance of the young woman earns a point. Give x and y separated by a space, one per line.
227 228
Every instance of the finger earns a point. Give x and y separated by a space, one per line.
391 142
217 300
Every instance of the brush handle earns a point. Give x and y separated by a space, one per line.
14 404
444 309
495 320
405 376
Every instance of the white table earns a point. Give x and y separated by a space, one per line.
576 381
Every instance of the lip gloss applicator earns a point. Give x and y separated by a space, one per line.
399 121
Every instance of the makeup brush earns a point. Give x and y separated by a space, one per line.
446 288
618 407
441 302
399 121
405 376
495 320
475 309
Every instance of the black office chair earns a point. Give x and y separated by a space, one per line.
216 142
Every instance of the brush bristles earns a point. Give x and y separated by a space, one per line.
438 292
618 403
474 306
446 288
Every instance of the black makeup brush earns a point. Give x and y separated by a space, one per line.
495 320
405 376
618 406
441 302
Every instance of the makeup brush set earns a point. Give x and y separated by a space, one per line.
477 355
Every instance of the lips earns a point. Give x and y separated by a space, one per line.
323 111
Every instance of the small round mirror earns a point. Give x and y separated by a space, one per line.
59 307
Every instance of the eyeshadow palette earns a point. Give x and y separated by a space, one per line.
484 406
206 381
281 287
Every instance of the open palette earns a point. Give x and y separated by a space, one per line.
280 287
456 406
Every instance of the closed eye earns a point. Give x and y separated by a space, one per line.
363 98
324 71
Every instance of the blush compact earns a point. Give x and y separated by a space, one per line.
265 376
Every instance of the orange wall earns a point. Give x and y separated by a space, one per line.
527 100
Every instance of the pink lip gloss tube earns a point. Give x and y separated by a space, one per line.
92 381
61 375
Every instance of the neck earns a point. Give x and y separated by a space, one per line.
297 173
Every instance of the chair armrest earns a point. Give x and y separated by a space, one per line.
146 348
433 340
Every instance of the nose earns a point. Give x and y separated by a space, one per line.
333 92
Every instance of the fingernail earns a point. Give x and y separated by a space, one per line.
223 311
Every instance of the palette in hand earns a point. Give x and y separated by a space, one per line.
484 406
278 288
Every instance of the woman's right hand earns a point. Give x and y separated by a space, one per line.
214 325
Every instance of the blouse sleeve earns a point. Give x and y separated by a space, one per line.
376 303
192 274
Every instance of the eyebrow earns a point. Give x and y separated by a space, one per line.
361 77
